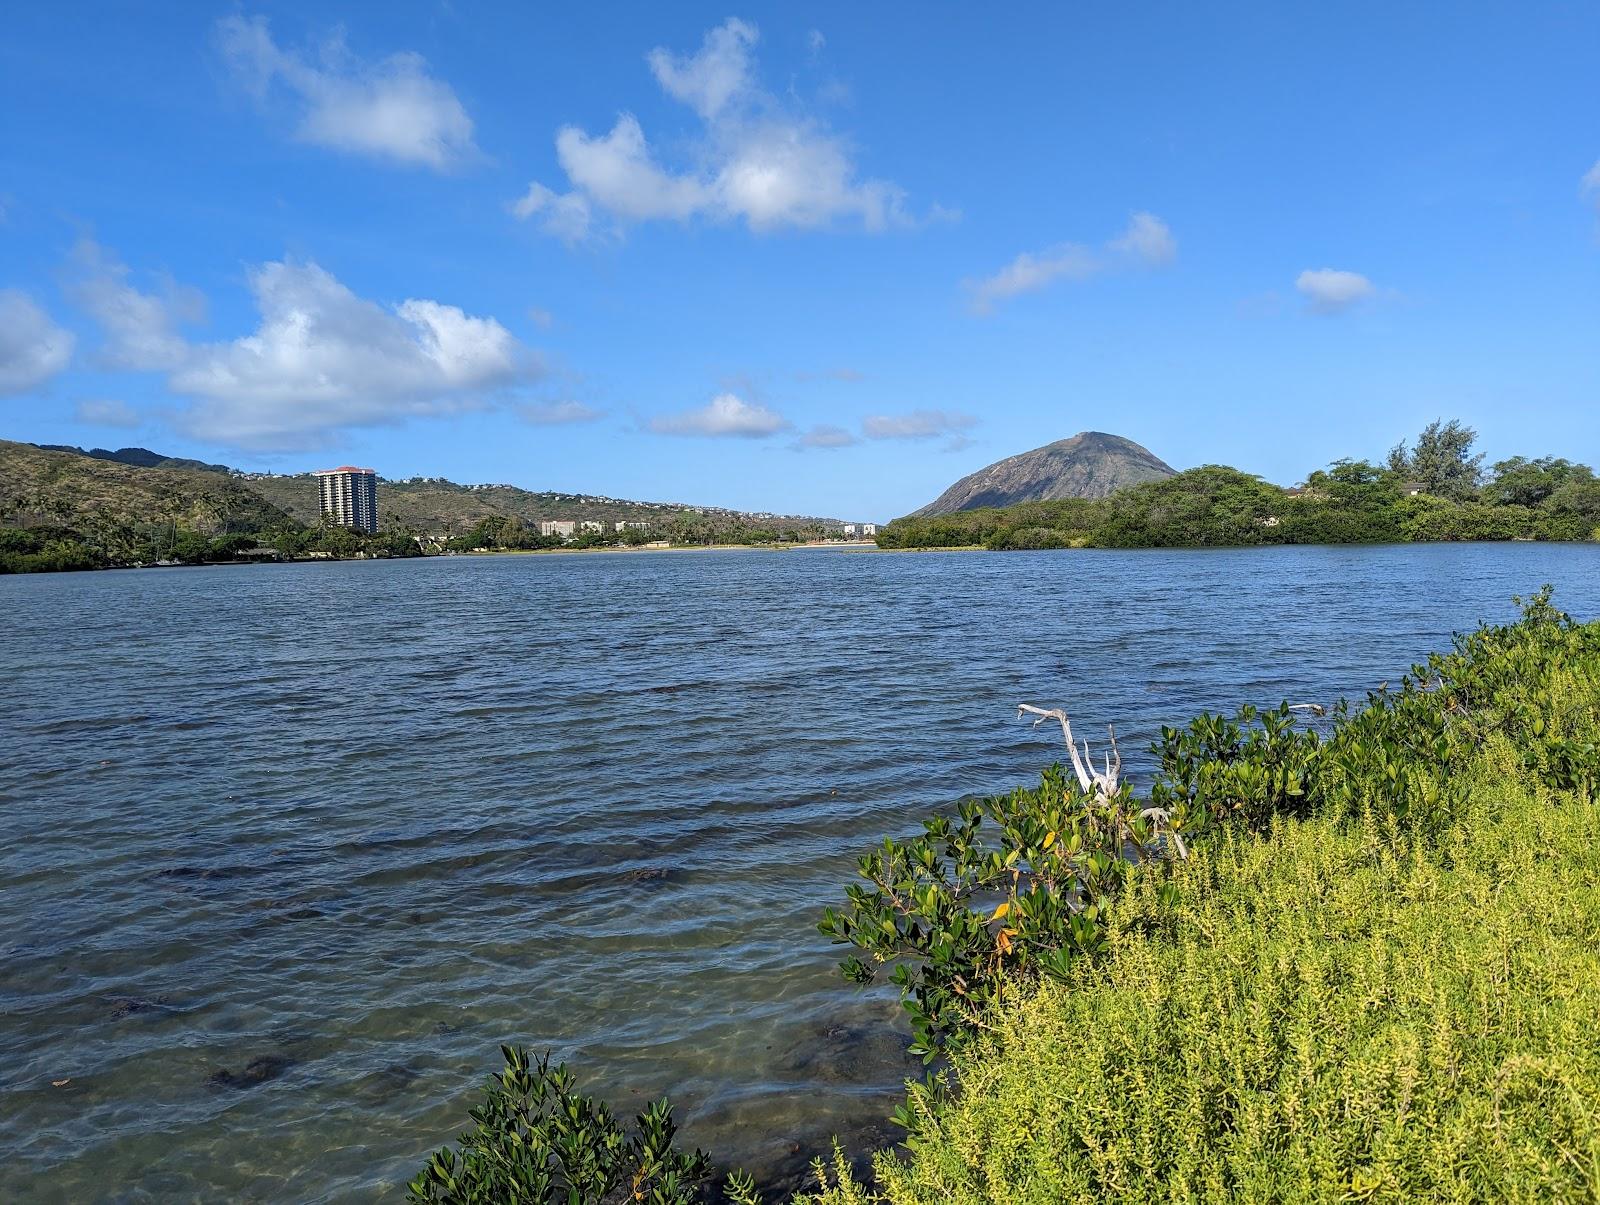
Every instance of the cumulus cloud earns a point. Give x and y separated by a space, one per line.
106 412
918 424
556 414
710 79
618 173
32 347
726 415
754 160
323 358
825 436
391 109
1147 241
567 216
141 329
1332 290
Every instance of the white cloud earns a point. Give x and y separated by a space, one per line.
727 414
566 215
825 436
1591 183
390 109
709 80
959 443
618 173
32 347
1331 290
815 41
541 317
754 161
1029 273
141 329
107 412
555 414
1147 240
324 359
918 424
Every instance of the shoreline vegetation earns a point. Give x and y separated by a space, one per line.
1327 954
209 557
1436 492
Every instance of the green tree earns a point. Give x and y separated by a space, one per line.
1442 462
1350 502
1523 482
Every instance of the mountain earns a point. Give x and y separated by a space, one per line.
141 458
1091 464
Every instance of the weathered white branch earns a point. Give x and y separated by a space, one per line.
1104 784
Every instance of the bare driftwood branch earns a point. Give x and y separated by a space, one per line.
1104 784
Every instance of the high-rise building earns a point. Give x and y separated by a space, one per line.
349 497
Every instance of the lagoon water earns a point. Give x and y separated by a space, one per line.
289 850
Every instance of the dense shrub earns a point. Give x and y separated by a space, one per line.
537 1140
45 550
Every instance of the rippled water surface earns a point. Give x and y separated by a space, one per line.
289 850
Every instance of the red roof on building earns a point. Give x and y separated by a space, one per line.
344 468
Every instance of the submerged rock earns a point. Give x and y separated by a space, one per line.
132 1006
652 876
388 1082
841 1052
257 1071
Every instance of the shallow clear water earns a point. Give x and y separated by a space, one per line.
289 850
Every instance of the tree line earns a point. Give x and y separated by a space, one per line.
39 549
1434 490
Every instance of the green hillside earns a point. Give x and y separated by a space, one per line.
66 508
39 487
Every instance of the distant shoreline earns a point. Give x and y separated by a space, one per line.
852 546
857 545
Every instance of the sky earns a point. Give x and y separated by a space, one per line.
817 259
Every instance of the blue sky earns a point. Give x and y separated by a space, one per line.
820 258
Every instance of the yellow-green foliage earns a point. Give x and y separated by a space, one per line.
1338 1013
